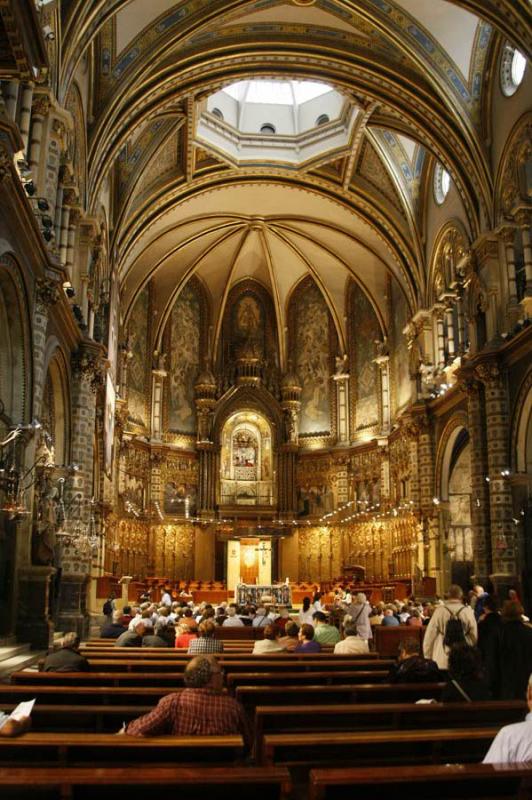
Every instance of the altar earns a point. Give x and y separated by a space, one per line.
280 594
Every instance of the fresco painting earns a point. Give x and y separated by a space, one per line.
312 360
138 344
366 331
183 361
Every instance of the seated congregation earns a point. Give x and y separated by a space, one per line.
278 701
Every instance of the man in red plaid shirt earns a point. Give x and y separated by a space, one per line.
201 708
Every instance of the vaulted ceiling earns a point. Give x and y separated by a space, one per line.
413 69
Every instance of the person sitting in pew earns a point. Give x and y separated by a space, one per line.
389 618
153 637
307 643
352 644
323 632
133 638
232 620
513 743
270 643
290 639
467 680
206 643
185 634
112 630
201 709
412 667
67 658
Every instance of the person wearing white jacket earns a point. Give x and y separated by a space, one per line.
433 646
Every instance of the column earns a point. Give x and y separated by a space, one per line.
462 336
431 532
158 376
440 337
39 111
63 237
503 551
341 379
25 115
88 376
508 238
449 324
73 218
383 362
480 501
523 219
11 99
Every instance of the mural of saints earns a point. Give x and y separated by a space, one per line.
138 343
184 361
366 331
248 326
312 360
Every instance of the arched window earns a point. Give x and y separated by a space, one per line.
513 66
267 129
442 184
323 119
216 112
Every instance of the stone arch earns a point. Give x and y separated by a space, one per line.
513 186
15 343
521 440
55 410
449 251
248 397
446 445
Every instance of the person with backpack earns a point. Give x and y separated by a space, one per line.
451 623
108 607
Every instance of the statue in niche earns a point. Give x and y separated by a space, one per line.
290 425
248 329
46 523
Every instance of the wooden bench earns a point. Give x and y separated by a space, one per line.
271 783
438 782
253 696
172 680
377 747
323 677
85 695
388 716
42 749
124 663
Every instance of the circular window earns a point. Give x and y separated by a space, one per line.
442 184
217 113
323 119
513 66
268 129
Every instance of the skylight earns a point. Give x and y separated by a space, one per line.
281 93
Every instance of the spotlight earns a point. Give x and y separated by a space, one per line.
47 221
49 34
48 235
30 188
42 204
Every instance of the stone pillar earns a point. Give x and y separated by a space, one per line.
25 114
508 238
63 234
47 295
11 99
87 377
287 481
449 324
480 501
34 621
383 362
431 532
39 111
341 379
501 512
207 478
157 403
73 219
440 337
523 219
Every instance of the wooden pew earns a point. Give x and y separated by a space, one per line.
24 783
93 718
377 747
323 677
181 654
43 749
387 716
253 696
126 664
172 680
438 782
65 694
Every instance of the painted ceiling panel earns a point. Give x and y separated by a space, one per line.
290 14
132 19
453 27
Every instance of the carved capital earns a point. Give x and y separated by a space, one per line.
47 293
41 105
488 372
89 366
70 197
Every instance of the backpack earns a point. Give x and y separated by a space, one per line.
454 631
107 608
